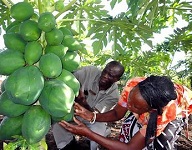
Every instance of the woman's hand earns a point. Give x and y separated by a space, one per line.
83 112
79 129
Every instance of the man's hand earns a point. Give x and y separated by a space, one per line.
82 100
83 112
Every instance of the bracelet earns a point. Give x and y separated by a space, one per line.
94 118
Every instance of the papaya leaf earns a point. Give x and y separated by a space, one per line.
112 3
97 46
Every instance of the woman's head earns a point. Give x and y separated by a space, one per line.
154 92
158 91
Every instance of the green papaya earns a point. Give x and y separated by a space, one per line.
25 85
14 41
67 117
71 43
6 103
33 52
59 5
46 21
57 98
68 78
54 37
36 124
21 11
65 31
14 29
58 50
71 61
50 65
12 24
11 60
10 126
29 30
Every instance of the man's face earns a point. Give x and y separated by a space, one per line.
109 76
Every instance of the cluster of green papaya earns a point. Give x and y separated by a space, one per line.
38 61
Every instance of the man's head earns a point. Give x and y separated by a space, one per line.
110 74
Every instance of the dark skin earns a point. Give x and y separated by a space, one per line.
136 104
109 75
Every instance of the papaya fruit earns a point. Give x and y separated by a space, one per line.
50 65
6 103
11 60
14 41
25 85
14 29
33 52
29 30
54 37
58 50
65 31
36 124
71 61
12 24
67 117
71 43
57 98
68 78
59 5
10 126
46 21
21 11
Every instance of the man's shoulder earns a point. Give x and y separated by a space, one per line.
90 68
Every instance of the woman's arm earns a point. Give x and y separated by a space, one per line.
117 113
136 143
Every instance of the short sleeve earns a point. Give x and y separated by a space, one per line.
125 93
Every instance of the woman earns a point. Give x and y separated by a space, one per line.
157 109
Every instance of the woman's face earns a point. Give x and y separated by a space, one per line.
136 103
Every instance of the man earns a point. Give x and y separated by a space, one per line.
99 93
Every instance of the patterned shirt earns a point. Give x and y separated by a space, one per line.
175 108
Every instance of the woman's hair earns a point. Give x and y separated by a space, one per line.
158 91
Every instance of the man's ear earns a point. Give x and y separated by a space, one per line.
117 79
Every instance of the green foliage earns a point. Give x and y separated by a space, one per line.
4 17
22 144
